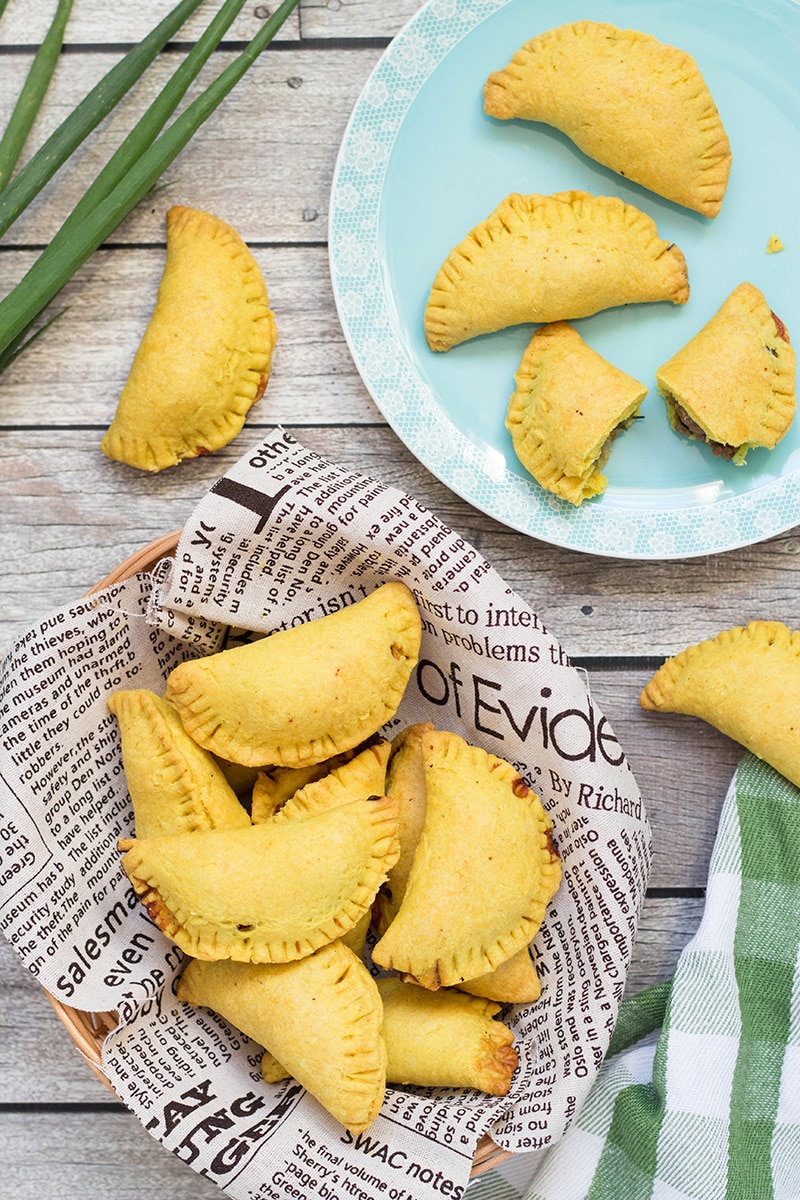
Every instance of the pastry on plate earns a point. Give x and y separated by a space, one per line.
305 694
321 1017
733 384
273 892
206 354
175 785
569 405
746 683
484 869
551 258
627 100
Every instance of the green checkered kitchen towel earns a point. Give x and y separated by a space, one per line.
710 1110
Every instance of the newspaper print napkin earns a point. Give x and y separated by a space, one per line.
711 1109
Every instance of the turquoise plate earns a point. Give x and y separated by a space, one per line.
421 164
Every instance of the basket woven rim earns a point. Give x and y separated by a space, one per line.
88 1030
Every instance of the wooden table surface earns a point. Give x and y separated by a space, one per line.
68 515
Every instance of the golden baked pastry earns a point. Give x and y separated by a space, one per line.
405 783
551 258
569 405
320 1016
733 384
746 683
175 786
206 355
269 893
436 1039
305 694
358 779
273 786
445 1039
627 100
242 779
484 870
515 981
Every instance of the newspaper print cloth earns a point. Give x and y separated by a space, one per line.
711 1110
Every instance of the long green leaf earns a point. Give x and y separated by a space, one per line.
150 124
58 263
20 343
30 180
33 92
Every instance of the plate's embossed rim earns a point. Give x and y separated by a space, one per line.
620 530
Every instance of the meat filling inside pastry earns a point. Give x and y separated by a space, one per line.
551 258
733 385
569 406
627 100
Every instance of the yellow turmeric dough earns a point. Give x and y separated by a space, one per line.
484 870
304 694
629 101
175 785
206 355
551 258
746 683
320 1016
272 892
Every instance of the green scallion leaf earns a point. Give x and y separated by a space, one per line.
149 126
22 342
61 259
33 92
99 102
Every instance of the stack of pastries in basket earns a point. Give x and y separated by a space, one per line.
440 844
643 109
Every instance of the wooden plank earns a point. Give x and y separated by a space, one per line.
105 1156
77 370
55 486
25 22
263 161
40 1064
355 18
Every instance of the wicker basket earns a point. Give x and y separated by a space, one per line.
88 1030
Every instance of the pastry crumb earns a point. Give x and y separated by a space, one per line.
774 245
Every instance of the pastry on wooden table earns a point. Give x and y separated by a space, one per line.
733 384
321 1017
746 683
484 869
551 258
175 785
627 100
206 354
305 694
272 892
569 405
